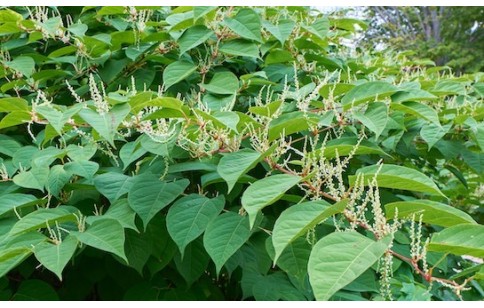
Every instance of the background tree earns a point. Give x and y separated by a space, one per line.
451 36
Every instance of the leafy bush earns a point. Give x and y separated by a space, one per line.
231 153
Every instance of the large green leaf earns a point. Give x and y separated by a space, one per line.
240 47
149 195
23 64
432 133
56 256
58 177
177 71
10 258
43 217
234 165
17 201
398 177
35 290
194 262
35 178
224 236
106 124
372 90
281 31
138 248
113 185
345 145
419 110
246 24
298 219
105 234
266 191
193 37
189 216
433 212
223 83
294 259
463 239
339 258
290 123
374 118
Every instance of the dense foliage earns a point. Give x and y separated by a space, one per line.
452 36
231 153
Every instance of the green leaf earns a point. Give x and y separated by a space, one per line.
398 177
35 290
373 90
119 211
149 195
8 145
345 145
290 123
374 118
294 259
35 178
432 133
56 256
44 217
319 28
194 262
177 71
413 95
189 216
86 169
246 24
81 153
113 185
193 37
266 191
15 118
339 258
9 104
106 124
295 221
56 180
240 47
138 248
463 239
419 110
224 236
24 65
234 165
57 118
223 83
435 213
10 258
105 234
17 201
282 31
130 152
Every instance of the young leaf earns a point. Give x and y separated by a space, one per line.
463 239
339 258
265 192
435 213
398 177
298 219
224 236
189 216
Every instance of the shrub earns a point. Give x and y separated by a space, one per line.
231 153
